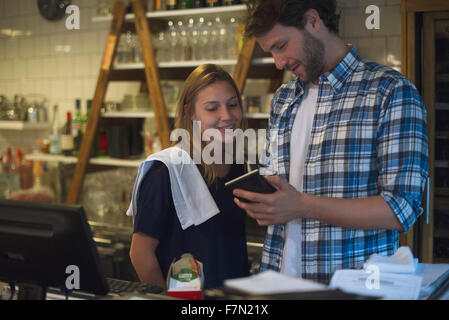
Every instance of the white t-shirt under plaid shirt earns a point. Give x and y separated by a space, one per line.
368 138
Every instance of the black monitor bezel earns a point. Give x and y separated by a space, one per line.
39 240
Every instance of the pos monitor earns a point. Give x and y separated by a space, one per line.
48 245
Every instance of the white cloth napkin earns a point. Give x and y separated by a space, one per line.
193 202
401 261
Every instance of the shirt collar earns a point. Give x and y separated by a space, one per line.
342 71
338 75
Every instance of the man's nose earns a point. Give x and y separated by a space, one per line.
279 61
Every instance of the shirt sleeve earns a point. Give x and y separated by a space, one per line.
402 151
153 202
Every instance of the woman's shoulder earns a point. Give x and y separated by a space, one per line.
158 171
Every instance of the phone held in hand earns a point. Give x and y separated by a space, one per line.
251 181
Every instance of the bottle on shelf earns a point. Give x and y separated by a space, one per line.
159 5
185 4
76 127
102 142
231 2
12 171
213 3
170 4
67 143
26 171
55 137
199 3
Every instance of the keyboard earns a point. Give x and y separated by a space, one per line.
119 286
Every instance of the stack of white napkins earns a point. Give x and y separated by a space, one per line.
271 282
390 278
401 261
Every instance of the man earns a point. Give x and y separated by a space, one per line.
349 136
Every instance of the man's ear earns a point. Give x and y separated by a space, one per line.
312 19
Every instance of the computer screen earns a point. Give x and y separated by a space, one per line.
47 245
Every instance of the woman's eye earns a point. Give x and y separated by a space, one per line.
233 105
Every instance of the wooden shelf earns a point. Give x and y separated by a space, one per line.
150 114
442 106
132 114
191 64
442 203
442 192
103 161
441 233
224 11
21 125
441 163
261 67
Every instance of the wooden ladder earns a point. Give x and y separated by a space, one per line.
150 83
106 74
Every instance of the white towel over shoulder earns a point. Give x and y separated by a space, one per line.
193 202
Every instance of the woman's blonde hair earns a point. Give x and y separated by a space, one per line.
200 78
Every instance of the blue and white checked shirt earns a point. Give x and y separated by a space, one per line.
369 137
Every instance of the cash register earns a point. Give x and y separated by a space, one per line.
48 249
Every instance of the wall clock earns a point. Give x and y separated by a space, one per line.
52 10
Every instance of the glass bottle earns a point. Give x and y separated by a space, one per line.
170 4
199 3
76 127
55 138
213 3
67 143
173 41
185 4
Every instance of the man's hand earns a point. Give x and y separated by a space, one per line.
279 207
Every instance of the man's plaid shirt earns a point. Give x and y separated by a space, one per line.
369 137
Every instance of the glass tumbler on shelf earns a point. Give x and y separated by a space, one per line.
232 38
173 42
161 47
221 45
204 48
195 40
186 49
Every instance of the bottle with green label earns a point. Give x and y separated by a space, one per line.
76 127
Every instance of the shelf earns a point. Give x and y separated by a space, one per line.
224 11
104 161
442 77
21 125
442 192
442 106
191 64
441 233
150 114
442 134
261 67
258 115
441 164
126 114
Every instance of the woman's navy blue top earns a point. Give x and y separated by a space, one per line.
219 243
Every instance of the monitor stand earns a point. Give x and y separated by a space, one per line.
31 292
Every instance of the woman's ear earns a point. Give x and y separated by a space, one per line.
186 111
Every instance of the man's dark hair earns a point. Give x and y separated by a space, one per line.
264 14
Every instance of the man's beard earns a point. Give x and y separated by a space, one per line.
314 51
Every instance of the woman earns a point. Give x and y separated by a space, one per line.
211 97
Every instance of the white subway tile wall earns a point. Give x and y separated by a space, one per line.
63 64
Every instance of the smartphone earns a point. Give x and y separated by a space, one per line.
251 181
